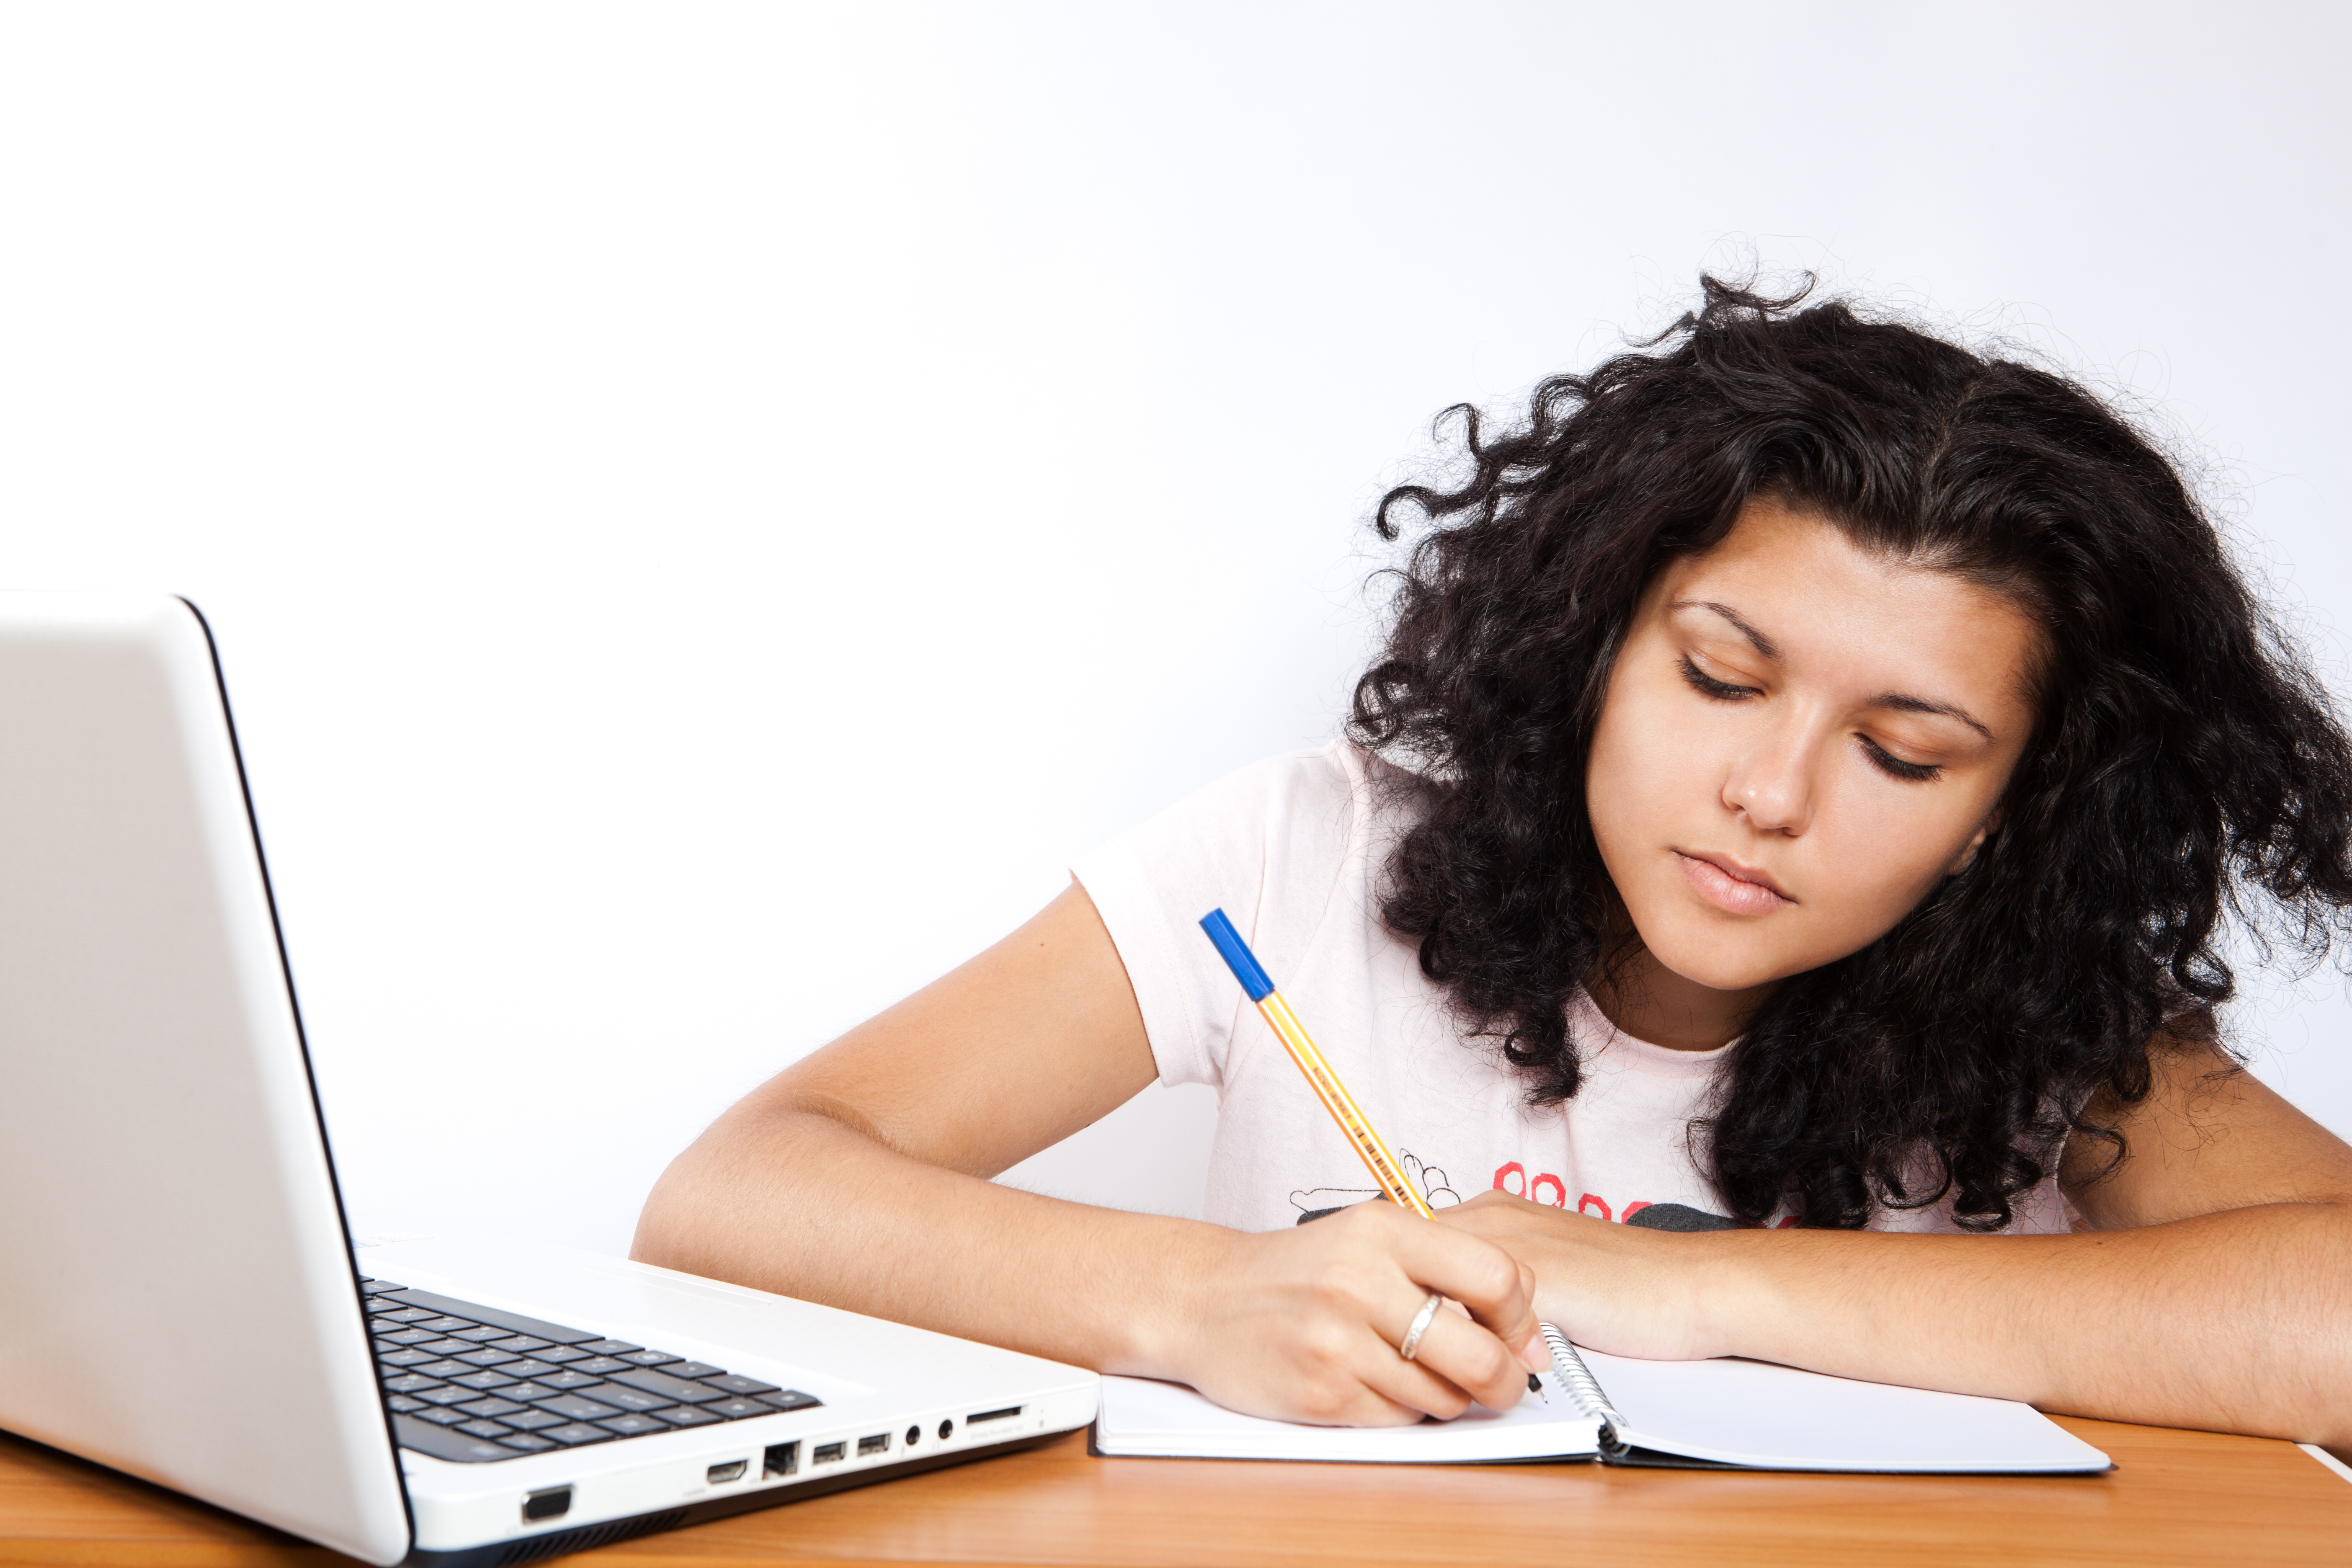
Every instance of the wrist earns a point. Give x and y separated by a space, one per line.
1174 1280
1731 1302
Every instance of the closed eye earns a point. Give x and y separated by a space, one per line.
1894 766
1706 685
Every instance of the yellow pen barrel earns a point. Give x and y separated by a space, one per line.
1341 1104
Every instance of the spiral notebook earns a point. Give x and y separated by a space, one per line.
1703 1415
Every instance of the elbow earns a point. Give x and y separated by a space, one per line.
669 1235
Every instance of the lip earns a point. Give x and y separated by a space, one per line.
1731 886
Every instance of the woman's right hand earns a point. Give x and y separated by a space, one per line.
1305 1324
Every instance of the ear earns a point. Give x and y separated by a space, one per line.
1968 854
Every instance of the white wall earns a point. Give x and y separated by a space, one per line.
707 510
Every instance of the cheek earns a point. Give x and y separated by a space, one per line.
1648 768
1881 852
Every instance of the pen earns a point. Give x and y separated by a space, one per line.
1325 1082
1342 1105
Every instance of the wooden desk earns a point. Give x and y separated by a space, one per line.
2185 1497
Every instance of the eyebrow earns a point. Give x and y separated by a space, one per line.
1900 701
1921 705
1764 644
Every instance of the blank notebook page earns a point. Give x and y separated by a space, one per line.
1142 1417
1753 1413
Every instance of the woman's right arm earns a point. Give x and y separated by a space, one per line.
859 1177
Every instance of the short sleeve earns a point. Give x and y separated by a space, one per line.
1267 845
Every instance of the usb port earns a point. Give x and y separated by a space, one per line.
732 1471
826 1453
783 1458
874 1444
977 1417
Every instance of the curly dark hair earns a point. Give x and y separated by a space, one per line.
2184 764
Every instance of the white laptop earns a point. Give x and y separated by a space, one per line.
179 1297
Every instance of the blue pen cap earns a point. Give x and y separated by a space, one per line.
1237 955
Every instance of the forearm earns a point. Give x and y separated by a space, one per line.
803 1205
2240 1320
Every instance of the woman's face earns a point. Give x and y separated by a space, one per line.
1801 740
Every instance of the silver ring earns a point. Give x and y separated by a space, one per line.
1422 1319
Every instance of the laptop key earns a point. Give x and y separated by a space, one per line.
405 1337
567 1380
560 1354
527 1392
486 1358
695 1369
389 1314
734 1383
411 1383
404 1358
379 1287
491 1407
676 1390
399 1402
442 1417
441 1322
483 1382
530 1366
688 1415
442 1366
531 1420
574 1433
633 1426
599 1365
738 1407
792 1399
521 1345
525 1442
480 1429
631 1399
573 1407
454 1446
605 1347
480 1333
647 1358
444 1345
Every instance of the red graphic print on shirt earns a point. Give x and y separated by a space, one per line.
1546 1188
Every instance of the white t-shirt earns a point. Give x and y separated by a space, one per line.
1293 850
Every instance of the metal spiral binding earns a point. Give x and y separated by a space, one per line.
1581 1385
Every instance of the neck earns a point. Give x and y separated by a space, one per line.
1646 999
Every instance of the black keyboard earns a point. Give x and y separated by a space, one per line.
473 1383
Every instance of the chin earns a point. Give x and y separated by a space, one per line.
1721 966
1722 977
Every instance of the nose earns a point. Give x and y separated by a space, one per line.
1773 784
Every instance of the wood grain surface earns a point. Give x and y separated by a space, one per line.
2184 1498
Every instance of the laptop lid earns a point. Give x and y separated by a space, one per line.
177 1298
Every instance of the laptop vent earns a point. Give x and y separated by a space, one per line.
589 1536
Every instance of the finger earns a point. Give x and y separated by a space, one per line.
1534 1351
1414 1385
1462 1354
1497 1288
1372 1385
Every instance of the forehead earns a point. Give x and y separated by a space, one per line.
1833 611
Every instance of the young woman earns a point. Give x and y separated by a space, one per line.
1770 897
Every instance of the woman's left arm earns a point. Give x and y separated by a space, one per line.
2210 1287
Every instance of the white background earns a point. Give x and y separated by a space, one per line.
708 509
